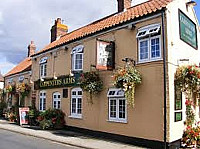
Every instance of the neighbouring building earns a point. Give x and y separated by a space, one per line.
1 81
159 35
18 83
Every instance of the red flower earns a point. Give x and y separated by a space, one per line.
53 120
188 102
189 67
40 118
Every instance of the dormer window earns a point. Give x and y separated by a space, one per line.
77 58
43 67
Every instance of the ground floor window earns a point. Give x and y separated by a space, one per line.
76 102
42 101
117 109
56 100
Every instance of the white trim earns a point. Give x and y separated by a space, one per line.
78 49
42 70
118 92
56 100
43 107
43 60
74 61
117 119
141 40
76 115
155 37
149 59
21 78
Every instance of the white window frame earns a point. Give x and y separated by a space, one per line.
76 114
74 62
55 106
141 40
78 50
42 97
155 37
43 71
149 59
117 119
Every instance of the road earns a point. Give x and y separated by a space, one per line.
11 140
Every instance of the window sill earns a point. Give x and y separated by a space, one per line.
117 121
148 61
75 117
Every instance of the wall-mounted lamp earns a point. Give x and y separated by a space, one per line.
66 48
71 73
41 79
128 60
131 27
54 76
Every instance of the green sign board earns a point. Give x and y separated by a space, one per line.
188 31
62 81
178 98
178 116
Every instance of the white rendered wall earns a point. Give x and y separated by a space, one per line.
178 49
1 85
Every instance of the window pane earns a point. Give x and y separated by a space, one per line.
44 103
40 103
122 108
155 48
79 107
59 96
74 93
58 104
143 50
73 105
78 61
113 112
45 69
79 92
54 104
54 96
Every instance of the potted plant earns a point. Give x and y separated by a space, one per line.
128 78
91 83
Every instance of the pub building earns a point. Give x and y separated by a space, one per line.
18 79
157 36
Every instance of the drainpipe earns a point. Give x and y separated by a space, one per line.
165 83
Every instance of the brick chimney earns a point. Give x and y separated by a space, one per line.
123 4
58 29
31 49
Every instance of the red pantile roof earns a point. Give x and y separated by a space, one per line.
110 21
25 65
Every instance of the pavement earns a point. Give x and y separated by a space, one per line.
65 137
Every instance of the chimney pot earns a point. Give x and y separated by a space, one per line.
31 48
58 29
123 4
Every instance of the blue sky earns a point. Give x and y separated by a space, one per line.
197 9
21 22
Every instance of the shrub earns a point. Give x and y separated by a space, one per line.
51 119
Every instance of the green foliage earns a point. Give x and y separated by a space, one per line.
91 82
51 119
127 78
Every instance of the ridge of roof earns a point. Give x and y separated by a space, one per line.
24 65
112 20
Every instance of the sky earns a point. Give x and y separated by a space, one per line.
22 21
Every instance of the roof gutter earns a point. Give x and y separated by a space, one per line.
104 31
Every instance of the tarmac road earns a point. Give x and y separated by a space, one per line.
11 140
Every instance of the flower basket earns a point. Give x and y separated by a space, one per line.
128 78
91 83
